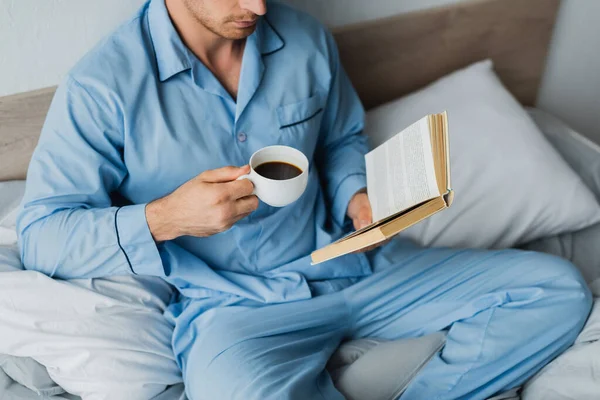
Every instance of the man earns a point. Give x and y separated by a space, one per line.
160 111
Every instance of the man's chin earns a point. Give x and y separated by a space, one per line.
239 33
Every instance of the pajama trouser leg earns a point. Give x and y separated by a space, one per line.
507 314
261 352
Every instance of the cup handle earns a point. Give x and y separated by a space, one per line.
249 177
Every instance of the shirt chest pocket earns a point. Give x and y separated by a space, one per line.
300 122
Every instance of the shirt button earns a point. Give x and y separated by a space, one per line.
241 136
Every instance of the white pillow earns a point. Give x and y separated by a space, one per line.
511 186
11 193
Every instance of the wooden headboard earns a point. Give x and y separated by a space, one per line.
388 58
385 59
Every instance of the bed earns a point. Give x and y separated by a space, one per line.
386 60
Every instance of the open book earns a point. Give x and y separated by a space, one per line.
408 180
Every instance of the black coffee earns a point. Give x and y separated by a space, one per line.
278 170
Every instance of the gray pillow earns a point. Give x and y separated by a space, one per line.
580 247
579 152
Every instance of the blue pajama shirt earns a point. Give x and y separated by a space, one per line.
140 115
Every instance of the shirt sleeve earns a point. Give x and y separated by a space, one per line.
67 227
342 146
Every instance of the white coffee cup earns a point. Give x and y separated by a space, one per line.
278 193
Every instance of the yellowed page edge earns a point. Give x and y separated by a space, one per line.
436 148
447 149
442 153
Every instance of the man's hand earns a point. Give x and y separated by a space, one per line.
205 205
359 210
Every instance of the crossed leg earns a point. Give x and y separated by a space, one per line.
507 313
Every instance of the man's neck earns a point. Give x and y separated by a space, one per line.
209 47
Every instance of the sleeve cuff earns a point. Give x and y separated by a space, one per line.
136 242
343 194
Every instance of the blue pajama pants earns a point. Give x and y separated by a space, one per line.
508 313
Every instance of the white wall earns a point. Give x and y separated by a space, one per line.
41 39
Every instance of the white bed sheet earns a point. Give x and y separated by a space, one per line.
575 374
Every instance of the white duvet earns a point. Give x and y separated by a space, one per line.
99 339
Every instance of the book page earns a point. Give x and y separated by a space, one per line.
401 172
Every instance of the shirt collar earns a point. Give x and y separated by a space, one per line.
263 42
172 56
268 39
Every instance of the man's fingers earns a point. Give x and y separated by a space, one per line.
239 189
241 216
359 210
363 218
357 224
225 174
246 205
365 215
360 223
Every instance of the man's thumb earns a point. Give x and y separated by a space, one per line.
362 223
364 218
